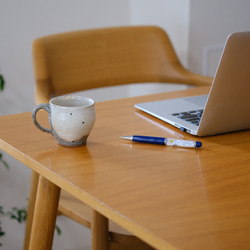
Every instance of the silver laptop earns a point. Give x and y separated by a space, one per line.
227 106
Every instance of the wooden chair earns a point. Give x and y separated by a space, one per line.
88 59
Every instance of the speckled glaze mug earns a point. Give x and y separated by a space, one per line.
71 119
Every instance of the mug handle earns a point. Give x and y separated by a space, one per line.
46 107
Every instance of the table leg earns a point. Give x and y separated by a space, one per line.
99 229
32 200
45 214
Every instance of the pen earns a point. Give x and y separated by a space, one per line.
163 141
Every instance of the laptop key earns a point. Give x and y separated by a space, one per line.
192 116
188 117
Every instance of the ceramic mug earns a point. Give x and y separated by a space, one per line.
71 119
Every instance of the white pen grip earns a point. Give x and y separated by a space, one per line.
181 143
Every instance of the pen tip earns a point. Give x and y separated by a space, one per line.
126 137
198 144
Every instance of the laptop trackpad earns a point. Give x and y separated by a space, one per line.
168 107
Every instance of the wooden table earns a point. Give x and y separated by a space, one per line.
172 198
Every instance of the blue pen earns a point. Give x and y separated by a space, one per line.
163 141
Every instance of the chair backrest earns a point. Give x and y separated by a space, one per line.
87 59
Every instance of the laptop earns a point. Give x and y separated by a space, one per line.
227 106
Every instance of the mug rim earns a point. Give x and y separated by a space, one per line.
90 103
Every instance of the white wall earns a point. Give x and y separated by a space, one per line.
210 24
173 16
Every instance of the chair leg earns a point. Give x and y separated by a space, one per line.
32 200
100 231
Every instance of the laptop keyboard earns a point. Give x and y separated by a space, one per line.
193 116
